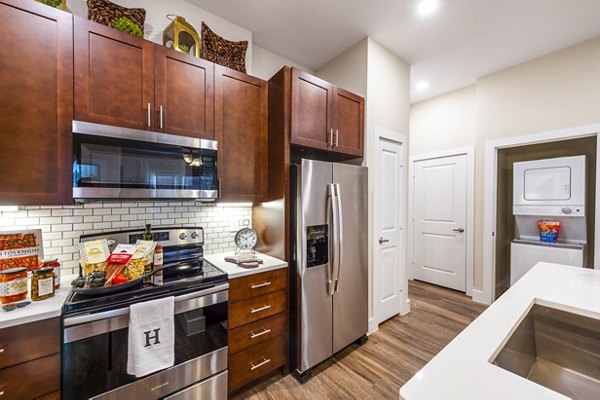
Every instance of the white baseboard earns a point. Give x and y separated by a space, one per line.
405 307
480 297
373 326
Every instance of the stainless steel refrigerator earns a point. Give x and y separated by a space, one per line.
329 284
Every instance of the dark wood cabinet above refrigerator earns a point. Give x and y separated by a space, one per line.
324 116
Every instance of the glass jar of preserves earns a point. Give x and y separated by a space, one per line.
13 285
42 284
55 265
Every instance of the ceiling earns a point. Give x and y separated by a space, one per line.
451 48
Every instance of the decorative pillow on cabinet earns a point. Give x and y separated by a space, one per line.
106 13
222 51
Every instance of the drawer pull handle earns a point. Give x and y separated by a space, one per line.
259 285
263 308
1 350
260 364
2 393
263 332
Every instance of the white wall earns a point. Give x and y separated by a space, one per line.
452 127
559 90
265 63
349 69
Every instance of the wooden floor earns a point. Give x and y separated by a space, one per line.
377 369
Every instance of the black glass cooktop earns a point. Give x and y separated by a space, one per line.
179 278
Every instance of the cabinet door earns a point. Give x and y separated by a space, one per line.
184 93
349 124
312 106
114 77
241 131
36 104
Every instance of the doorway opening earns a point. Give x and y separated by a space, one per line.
505 220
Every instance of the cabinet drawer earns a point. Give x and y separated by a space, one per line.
27 342
248 365
256 308
256 332
257 284
42 377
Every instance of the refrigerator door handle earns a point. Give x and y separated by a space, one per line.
340 234
334 218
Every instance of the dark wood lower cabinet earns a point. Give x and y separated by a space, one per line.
30 360
246 366
258 327
32 379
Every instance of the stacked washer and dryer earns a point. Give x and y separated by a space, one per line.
551 189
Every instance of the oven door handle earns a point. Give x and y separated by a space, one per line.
85 326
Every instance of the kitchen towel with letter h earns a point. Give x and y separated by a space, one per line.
151 342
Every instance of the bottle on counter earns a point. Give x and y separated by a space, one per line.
13 285
42 284
148 234
53 263
157 278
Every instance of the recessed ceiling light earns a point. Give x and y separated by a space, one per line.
427 7
423 85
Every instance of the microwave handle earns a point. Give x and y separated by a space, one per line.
183 303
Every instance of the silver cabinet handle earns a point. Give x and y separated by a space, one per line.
259 285
149 114
1 350
263 308
161 116
2 393
382 240
461 230
337 138
263 332
260 364
330 138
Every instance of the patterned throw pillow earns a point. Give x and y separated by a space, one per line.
106 13
223 51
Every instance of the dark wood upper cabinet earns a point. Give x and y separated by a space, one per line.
184 94
349 123
241 103
312 109
36 104
114 77
325 116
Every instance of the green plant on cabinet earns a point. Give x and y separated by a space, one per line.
126 25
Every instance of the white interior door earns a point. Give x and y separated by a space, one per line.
440 218
388 216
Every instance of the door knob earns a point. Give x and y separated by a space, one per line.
382 240
461 230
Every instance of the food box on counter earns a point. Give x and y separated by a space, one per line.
21 248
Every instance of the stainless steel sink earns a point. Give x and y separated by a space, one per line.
556 349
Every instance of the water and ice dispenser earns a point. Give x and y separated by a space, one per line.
552 189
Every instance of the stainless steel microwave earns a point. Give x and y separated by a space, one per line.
121 163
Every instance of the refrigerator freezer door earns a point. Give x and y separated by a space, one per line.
350 301
314 303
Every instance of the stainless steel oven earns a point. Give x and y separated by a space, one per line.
95 352
111 162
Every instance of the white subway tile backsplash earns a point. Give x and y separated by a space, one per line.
62 226
39 213
61 212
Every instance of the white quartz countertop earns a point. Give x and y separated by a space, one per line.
235 271
38 310
462 370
